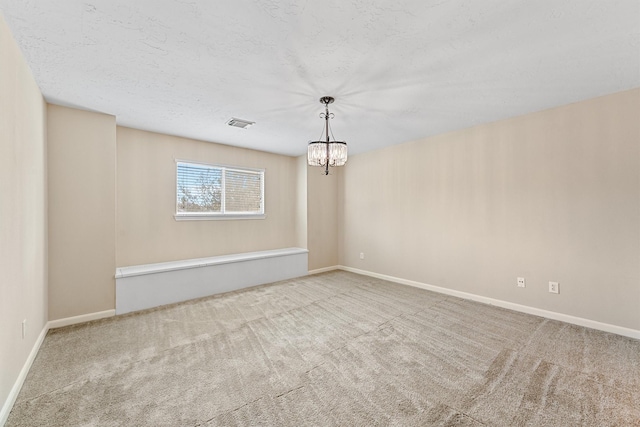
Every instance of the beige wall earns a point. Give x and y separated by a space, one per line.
23 205
301 199
551 196
147 231
81 153
322 217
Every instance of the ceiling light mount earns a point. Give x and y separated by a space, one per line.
325 152
327 100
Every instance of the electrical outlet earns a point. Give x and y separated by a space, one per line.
554 287
521 282
361 255
24 328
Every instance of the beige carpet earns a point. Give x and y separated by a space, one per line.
335 349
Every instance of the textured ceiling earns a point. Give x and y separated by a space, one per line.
399 70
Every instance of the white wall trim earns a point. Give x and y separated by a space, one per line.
620 330
580 321
52 324
67 321
15 390
216 217
324 269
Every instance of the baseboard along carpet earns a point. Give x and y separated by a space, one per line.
332 349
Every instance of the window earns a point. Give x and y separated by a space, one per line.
218 192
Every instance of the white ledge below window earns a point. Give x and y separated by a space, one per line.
218 217
139 287
163 267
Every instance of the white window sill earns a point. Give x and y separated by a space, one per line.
210 217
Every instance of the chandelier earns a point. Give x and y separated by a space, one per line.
327 153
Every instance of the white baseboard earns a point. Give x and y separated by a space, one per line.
580 321
15 390
52 324
67 321
620 330
324 269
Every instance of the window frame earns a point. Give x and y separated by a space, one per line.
191 216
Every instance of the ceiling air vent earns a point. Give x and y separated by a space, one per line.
239 123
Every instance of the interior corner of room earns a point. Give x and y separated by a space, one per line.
552 195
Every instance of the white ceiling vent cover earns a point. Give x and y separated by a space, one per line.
239 123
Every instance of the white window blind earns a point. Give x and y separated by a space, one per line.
209 192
